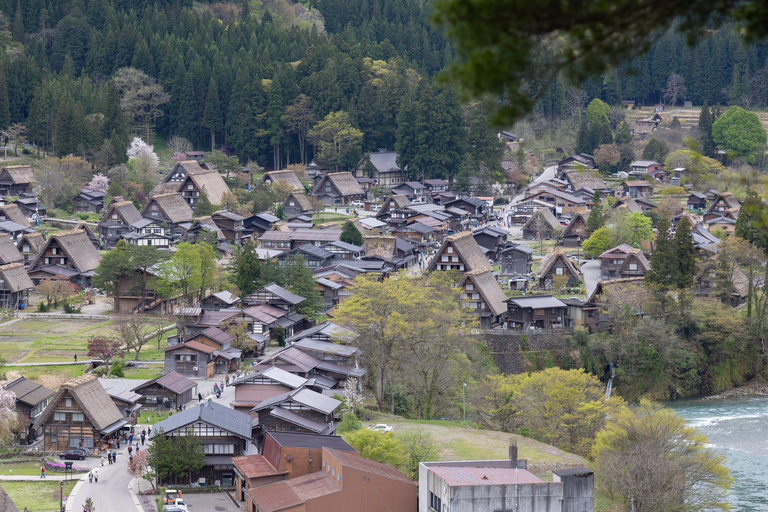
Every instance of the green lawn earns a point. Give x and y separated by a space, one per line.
28 468
38 496
155 417
144 373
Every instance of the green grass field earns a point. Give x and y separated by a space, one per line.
37 496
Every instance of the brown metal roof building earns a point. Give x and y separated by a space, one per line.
346 482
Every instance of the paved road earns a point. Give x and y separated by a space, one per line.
111 493
591 271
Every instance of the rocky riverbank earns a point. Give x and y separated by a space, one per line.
750 389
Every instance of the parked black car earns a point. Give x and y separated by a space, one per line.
74 454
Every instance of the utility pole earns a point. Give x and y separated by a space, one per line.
464 400
61 495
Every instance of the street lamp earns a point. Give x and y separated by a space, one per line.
464 400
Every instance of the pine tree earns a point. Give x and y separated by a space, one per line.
351 235
203 207
18 24
300 281
583 144
623 135
751 224
663 270
685 255
705 131
187 114
596 218
5 111
247 269
213 118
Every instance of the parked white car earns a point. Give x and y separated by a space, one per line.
381 427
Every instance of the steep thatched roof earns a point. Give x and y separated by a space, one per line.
90 395
80 251
578 221
382 247
584 178
6 503
285 176
125 209
345 183
546 215
489 289
35 241
557 255
467 250
15 278
172 205
19 174
13 213
213 184
301 200
8 251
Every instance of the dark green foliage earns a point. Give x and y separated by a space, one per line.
246 269
5 112
752 224
596 218
204 206
655 150
300 281
179 456
663 270
685 256
213 118
705 131
351 235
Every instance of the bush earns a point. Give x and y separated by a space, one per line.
70 309
349 423
118 368
82 216
43 308
669 191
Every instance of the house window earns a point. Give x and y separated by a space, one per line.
68 402
153 207
59 416
633 266
559 271
450 250
77 416
444 259
190 187
470 287
328 188
25 248
435 503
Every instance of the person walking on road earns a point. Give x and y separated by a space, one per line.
109 457
114 457
42 471
130 450
90 477
96 475
199 397
102 461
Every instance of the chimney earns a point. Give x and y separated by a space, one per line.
513 454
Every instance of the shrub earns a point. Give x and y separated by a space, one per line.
118 368
672 191
43 308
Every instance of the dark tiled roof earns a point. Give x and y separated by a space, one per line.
28 391
212 413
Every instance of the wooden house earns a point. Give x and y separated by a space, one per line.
299 361
12 212
730 284
314 256
395 210
580 161
637 188
491 239
459 252
170 209
285 178
31 400
516 260
536 312
697 201
340 188
284 455
170 392
576 231
122 395
254 388
219 300
191 359
557 269
80 415
645 126
476 208
223 432
344 250
623 261
89 201
15 231
275 296
724 225
298 410
117 221
230 224
413 190
29 245
484 296
16 180
394 253
584 179
296 204
563 202
646 166
436 185
190 179
149 233
31 206
384 168
69 255
287 240
15 286
724 205
541 225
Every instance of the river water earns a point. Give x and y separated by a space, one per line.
738 428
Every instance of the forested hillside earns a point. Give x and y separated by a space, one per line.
250 75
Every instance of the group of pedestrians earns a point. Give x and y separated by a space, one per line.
93 475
